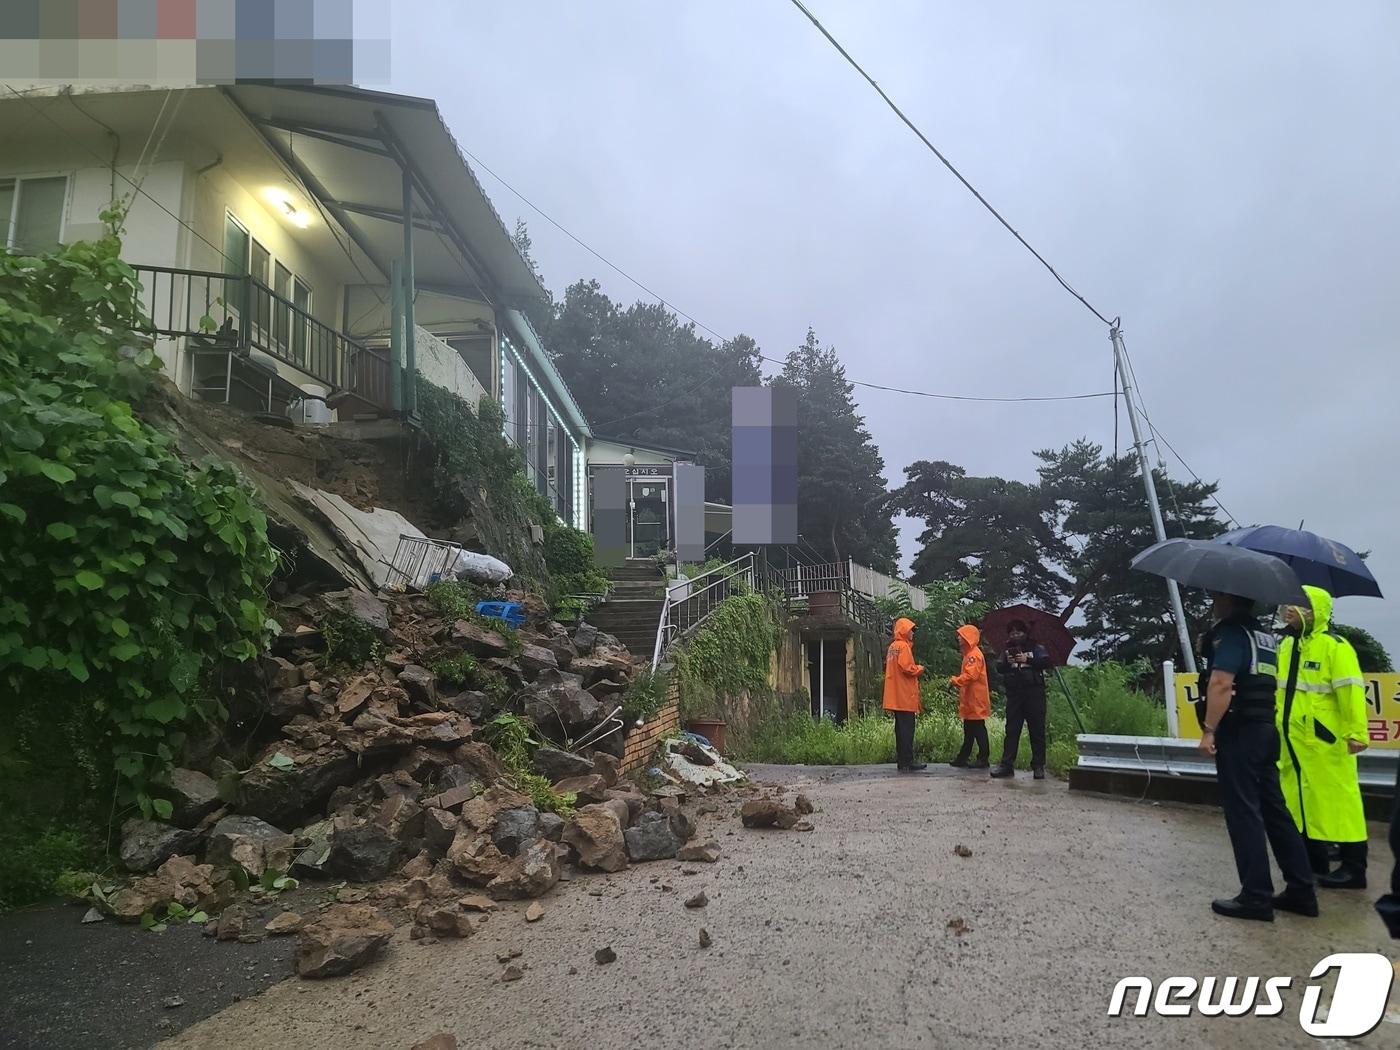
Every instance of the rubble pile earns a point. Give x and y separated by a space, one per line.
384 777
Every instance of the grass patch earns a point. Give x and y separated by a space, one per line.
785 733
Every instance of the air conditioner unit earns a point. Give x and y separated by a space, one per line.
537 533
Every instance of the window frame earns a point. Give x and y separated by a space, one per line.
66 176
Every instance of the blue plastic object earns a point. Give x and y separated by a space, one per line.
510 612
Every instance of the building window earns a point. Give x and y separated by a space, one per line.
508 392
31 213
236 246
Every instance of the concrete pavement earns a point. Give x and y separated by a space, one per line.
839 937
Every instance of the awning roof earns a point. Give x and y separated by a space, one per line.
348 144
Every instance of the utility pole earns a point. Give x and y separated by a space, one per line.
1183 633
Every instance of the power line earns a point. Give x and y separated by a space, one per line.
945 161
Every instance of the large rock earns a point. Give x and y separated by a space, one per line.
651 838
595 833
560 706
588 788
534 660
768 813
251 843
607 767
470 704
509 671
478 640
444 920
480 761
344 938
283 705
531 874
633 799
358 605
476 857
281 674
682 823
366 853
602 664
585 637
560 765
404 819
552 827
420 684
179 880
514 828
481 812
194 794
282 793
439 829
147 844
563 650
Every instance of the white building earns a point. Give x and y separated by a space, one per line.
280 233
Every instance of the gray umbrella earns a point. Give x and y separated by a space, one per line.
1217 567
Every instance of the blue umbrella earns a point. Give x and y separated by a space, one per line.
1318 561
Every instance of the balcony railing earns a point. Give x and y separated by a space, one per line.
218 311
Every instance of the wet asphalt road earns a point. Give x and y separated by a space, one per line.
840 937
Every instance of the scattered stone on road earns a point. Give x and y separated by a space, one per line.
535 912
962 851
958 927
174 1002
478 902
441 1041
706 853
768 813
287 922
804 805
705 940
698 901
512 973
343 939
603 956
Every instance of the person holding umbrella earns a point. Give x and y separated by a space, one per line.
1239 682
1022 667
1322 719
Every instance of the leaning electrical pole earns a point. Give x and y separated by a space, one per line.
1183 633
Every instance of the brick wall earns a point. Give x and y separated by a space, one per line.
642 742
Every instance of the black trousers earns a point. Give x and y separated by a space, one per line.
974 731
904 738
1351 854
1030 712
1256 816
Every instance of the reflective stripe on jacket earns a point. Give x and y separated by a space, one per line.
1323 709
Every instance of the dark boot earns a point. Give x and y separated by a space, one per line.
1298 903
981 763
1346 877
1234 908
1003 771
1038 772
960 762
914 767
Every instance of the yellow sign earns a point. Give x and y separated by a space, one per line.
1382 702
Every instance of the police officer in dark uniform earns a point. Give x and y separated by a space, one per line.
1237 727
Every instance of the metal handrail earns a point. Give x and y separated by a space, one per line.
669 626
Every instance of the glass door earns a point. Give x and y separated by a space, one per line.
648 526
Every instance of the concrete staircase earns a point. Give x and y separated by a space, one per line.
633 610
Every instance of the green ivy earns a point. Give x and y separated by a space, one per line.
514 742
730 654
127 575
455 670
645 695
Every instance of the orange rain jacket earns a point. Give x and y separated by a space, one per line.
974 698
901 672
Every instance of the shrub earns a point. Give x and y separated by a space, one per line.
350 642
645 695
127 576
456 670
32 860
513 740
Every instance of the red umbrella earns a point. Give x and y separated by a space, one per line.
1044 628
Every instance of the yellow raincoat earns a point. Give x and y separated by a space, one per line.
1325 708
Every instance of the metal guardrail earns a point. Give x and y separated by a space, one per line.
232 312
1168 756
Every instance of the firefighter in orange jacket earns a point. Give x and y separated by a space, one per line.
974 698
902 693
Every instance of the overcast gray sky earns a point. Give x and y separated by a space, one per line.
1223 175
